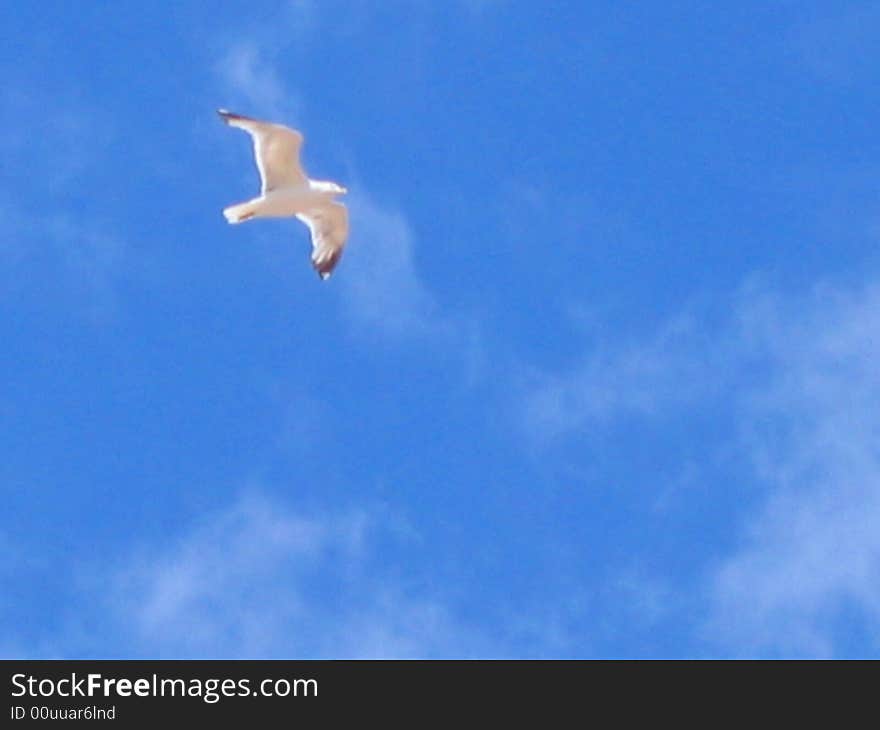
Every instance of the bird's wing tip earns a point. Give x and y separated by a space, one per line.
228 116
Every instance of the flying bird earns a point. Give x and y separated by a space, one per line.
287 191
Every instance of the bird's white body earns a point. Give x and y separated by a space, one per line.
285 202
287 191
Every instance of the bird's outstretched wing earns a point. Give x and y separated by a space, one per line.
276 150
328 225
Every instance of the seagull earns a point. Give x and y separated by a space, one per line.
287 191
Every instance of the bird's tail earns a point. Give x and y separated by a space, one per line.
240 212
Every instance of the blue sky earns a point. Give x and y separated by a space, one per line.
596 376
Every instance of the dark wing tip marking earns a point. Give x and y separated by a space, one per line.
325 265
228 116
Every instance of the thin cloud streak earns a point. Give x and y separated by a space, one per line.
382 290
253 84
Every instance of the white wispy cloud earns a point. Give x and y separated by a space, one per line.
77 258
810 556
252 83
797 377
671 367
384 292
79 265
257 579
252 63
49 153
